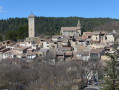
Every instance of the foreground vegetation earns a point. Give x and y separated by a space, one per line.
20 75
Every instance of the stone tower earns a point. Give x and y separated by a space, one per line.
31 25
79 27
78 24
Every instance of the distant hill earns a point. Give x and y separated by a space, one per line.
52 25
109 26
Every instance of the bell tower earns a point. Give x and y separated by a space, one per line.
79 28
78 24
31 25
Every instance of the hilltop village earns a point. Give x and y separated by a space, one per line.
70 45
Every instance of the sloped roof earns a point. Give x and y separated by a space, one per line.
87 33
68 53
66 48
96 50
83 53
70 28
95 32
31 53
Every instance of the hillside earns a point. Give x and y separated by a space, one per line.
52 25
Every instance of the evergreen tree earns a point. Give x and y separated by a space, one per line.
111 71
22 32
11 35
1 38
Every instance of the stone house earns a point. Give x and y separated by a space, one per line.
60 55
56 37
46 44
21 44
68 54
107 37
96 36
29 43
110 38
34 46
20 50
9 54
87 35
31 55
65 43
109 49
83 55
73 44
4 43
4 50
99 37
95 54
42 52
10 45
98 45
59 43
80 41
53 45
71 31
15 53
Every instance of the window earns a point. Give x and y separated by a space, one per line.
89 36
105 38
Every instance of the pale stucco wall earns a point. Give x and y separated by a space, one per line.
110 38
95 38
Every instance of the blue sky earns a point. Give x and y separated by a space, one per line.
59 8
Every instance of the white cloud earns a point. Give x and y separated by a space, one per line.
1 9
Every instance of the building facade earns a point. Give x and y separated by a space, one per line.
71 31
